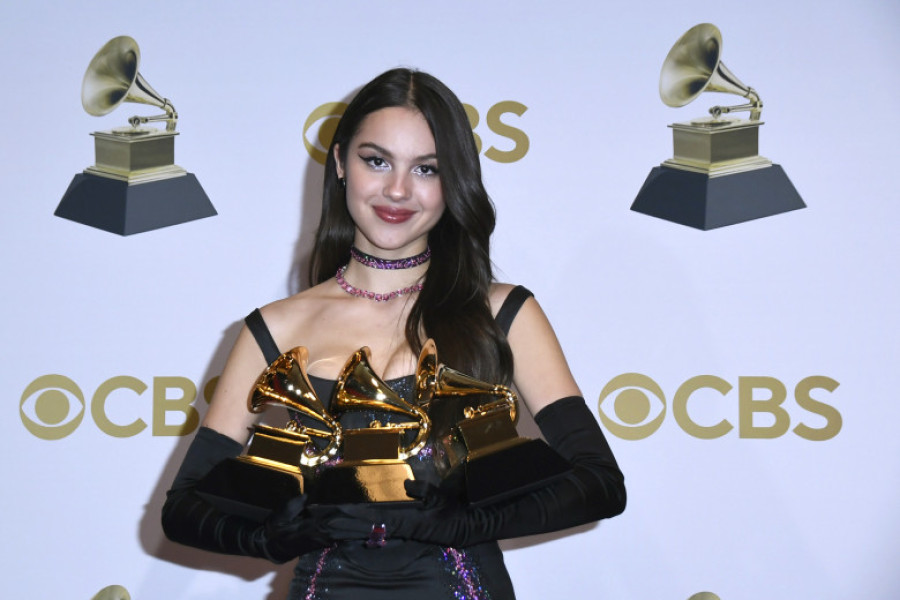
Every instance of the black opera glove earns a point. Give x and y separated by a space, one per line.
292 531
189 519
593 490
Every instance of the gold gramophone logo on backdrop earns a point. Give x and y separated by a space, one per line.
716 176
134 185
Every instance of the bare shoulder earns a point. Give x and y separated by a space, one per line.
281 311
497 294
228 413
530 310
285 317
542 374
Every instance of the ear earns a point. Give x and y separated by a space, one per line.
337 161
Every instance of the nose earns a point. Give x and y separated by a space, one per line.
397 187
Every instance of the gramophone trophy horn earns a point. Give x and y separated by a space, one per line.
716 176
694 66
134 185
112 78
359 389
279 462
285 383
375 447
474 430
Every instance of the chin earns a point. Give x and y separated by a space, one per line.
392 244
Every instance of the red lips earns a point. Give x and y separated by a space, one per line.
393 215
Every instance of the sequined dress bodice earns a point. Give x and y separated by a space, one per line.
402 570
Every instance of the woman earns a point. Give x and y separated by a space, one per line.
402 255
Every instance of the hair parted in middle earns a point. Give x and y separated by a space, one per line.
453 306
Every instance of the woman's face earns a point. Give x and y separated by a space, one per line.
393 186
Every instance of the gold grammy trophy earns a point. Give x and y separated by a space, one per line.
279 462
475 431
716 176
134 185
373 464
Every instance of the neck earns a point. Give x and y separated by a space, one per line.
383 279
376 290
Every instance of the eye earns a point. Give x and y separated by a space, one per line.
631 415
426 170
376 162
47 408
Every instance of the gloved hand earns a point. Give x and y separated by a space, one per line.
189 519
292 530
593 490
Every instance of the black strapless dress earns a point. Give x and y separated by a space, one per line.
401 569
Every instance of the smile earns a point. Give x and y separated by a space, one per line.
393 215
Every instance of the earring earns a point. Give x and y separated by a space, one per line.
342 181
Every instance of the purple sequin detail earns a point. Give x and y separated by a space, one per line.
425 453
314 579
389 263
467 583
331 462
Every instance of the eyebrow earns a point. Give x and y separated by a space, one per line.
389 154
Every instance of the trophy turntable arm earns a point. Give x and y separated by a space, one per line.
508 402
171 117
754 106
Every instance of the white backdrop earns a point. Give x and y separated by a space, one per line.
812 293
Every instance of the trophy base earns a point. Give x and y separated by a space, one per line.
355 482
270 444
716 146
125 152
705 202
250 487
518 466
128 208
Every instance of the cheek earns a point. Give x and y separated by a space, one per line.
353 202
435 199
436 213
439 209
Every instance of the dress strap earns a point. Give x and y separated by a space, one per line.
510 307
260 331
505 316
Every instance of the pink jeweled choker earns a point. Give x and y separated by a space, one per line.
389 263
339 276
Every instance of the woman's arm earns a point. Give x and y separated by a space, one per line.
228 412
542 373
189 519
592 490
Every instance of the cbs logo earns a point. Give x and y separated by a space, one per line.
53 406
701 403
319 128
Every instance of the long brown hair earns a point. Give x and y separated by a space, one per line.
453 306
